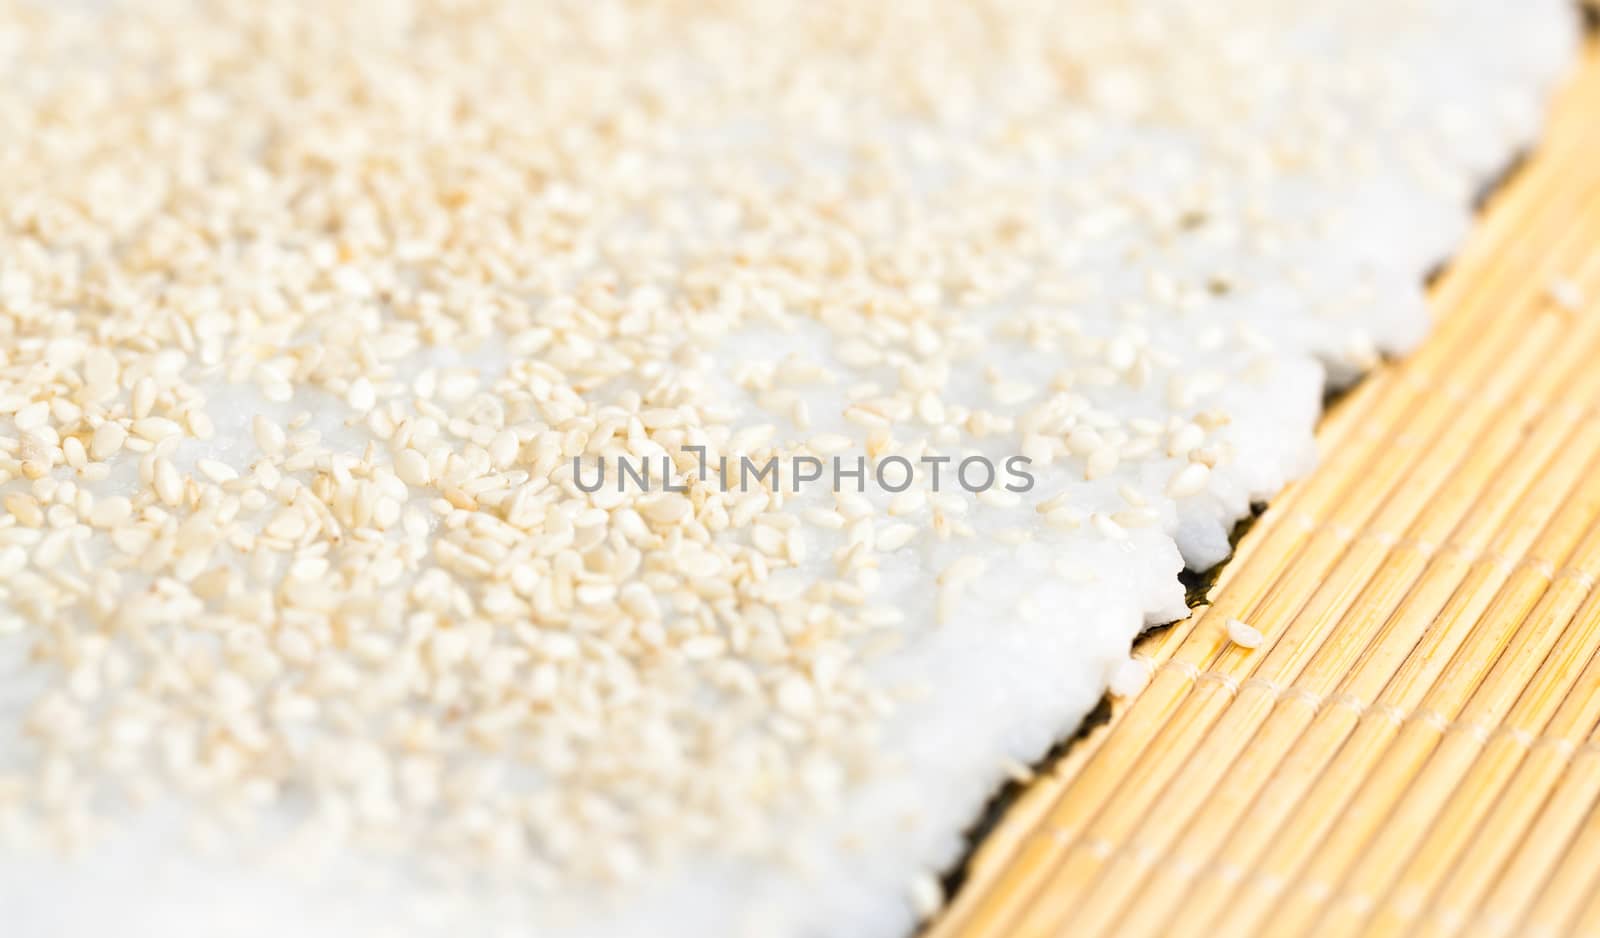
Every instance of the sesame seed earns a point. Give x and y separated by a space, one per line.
1102 462
268 435
1190 480
967 568
1567 295
216 471
24 508
156 429
927 896
110 511
829 443
895 536
360 395
1128 678
1108 527
168 485
143 397
412 467
107 440
1245 636
796 696
32 416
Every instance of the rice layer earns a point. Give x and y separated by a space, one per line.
318 324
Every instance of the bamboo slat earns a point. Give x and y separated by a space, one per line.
1415 748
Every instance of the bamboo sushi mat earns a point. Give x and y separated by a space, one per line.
1415 748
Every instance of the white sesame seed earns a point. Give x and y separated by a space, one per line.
412 467
12 560
827 444
110 511
1066 517
216 471
1137 517
33 416
201 425
503 448
927 896
967 568
1128 678
1102 462
156 429
107 440
796 696
1243 635
667 509
143 397
167 483
1190 480
1566 295
894 537
268 435
1108 527
360 395
25 508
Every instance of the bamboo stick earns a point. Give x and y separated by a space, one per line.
1470 771
1576 874
1530 818
1520 618
1587 924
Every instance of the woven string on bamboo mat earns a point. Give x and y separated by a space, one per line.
1415 748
